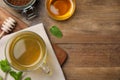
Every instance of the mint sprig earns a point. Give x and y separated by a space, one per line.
6 68
56 32
16 75
4 65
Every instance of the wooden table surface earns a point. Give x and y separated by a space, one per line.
91 38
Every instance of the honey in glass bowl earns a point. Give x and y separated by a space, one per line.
60 9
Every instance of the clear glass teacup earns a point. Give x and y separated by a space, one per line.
26 51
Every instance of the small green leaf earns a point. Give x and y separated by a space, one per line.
13 74
16 75
27 78
4 65
56 32
1 78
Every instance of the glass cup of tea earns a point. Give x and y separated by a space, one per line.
26 7
26 51
60 9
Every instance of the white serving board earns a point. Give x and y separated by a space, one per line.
52 61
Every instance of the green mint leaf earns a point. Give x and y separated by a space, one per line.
27 78
19 75
56 32
16 75
13 74
4 65
1 78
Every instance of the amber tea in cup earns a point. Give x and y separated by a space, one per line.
26 51
60 9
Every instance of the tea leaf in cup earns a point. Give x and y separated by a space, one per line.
27 78
4 65
56 32
16 75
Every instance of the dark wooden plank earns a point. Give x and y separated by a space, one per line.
60 54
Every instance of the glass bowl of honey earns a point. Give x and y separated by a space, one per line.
60 9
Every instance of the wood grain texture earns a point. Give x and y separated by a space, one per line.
94 21
88 61
92 73
91 39
92 55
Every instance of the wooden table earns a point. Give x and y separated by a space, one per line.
91 38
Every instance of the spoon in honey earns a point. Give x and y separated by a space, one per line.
7 26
